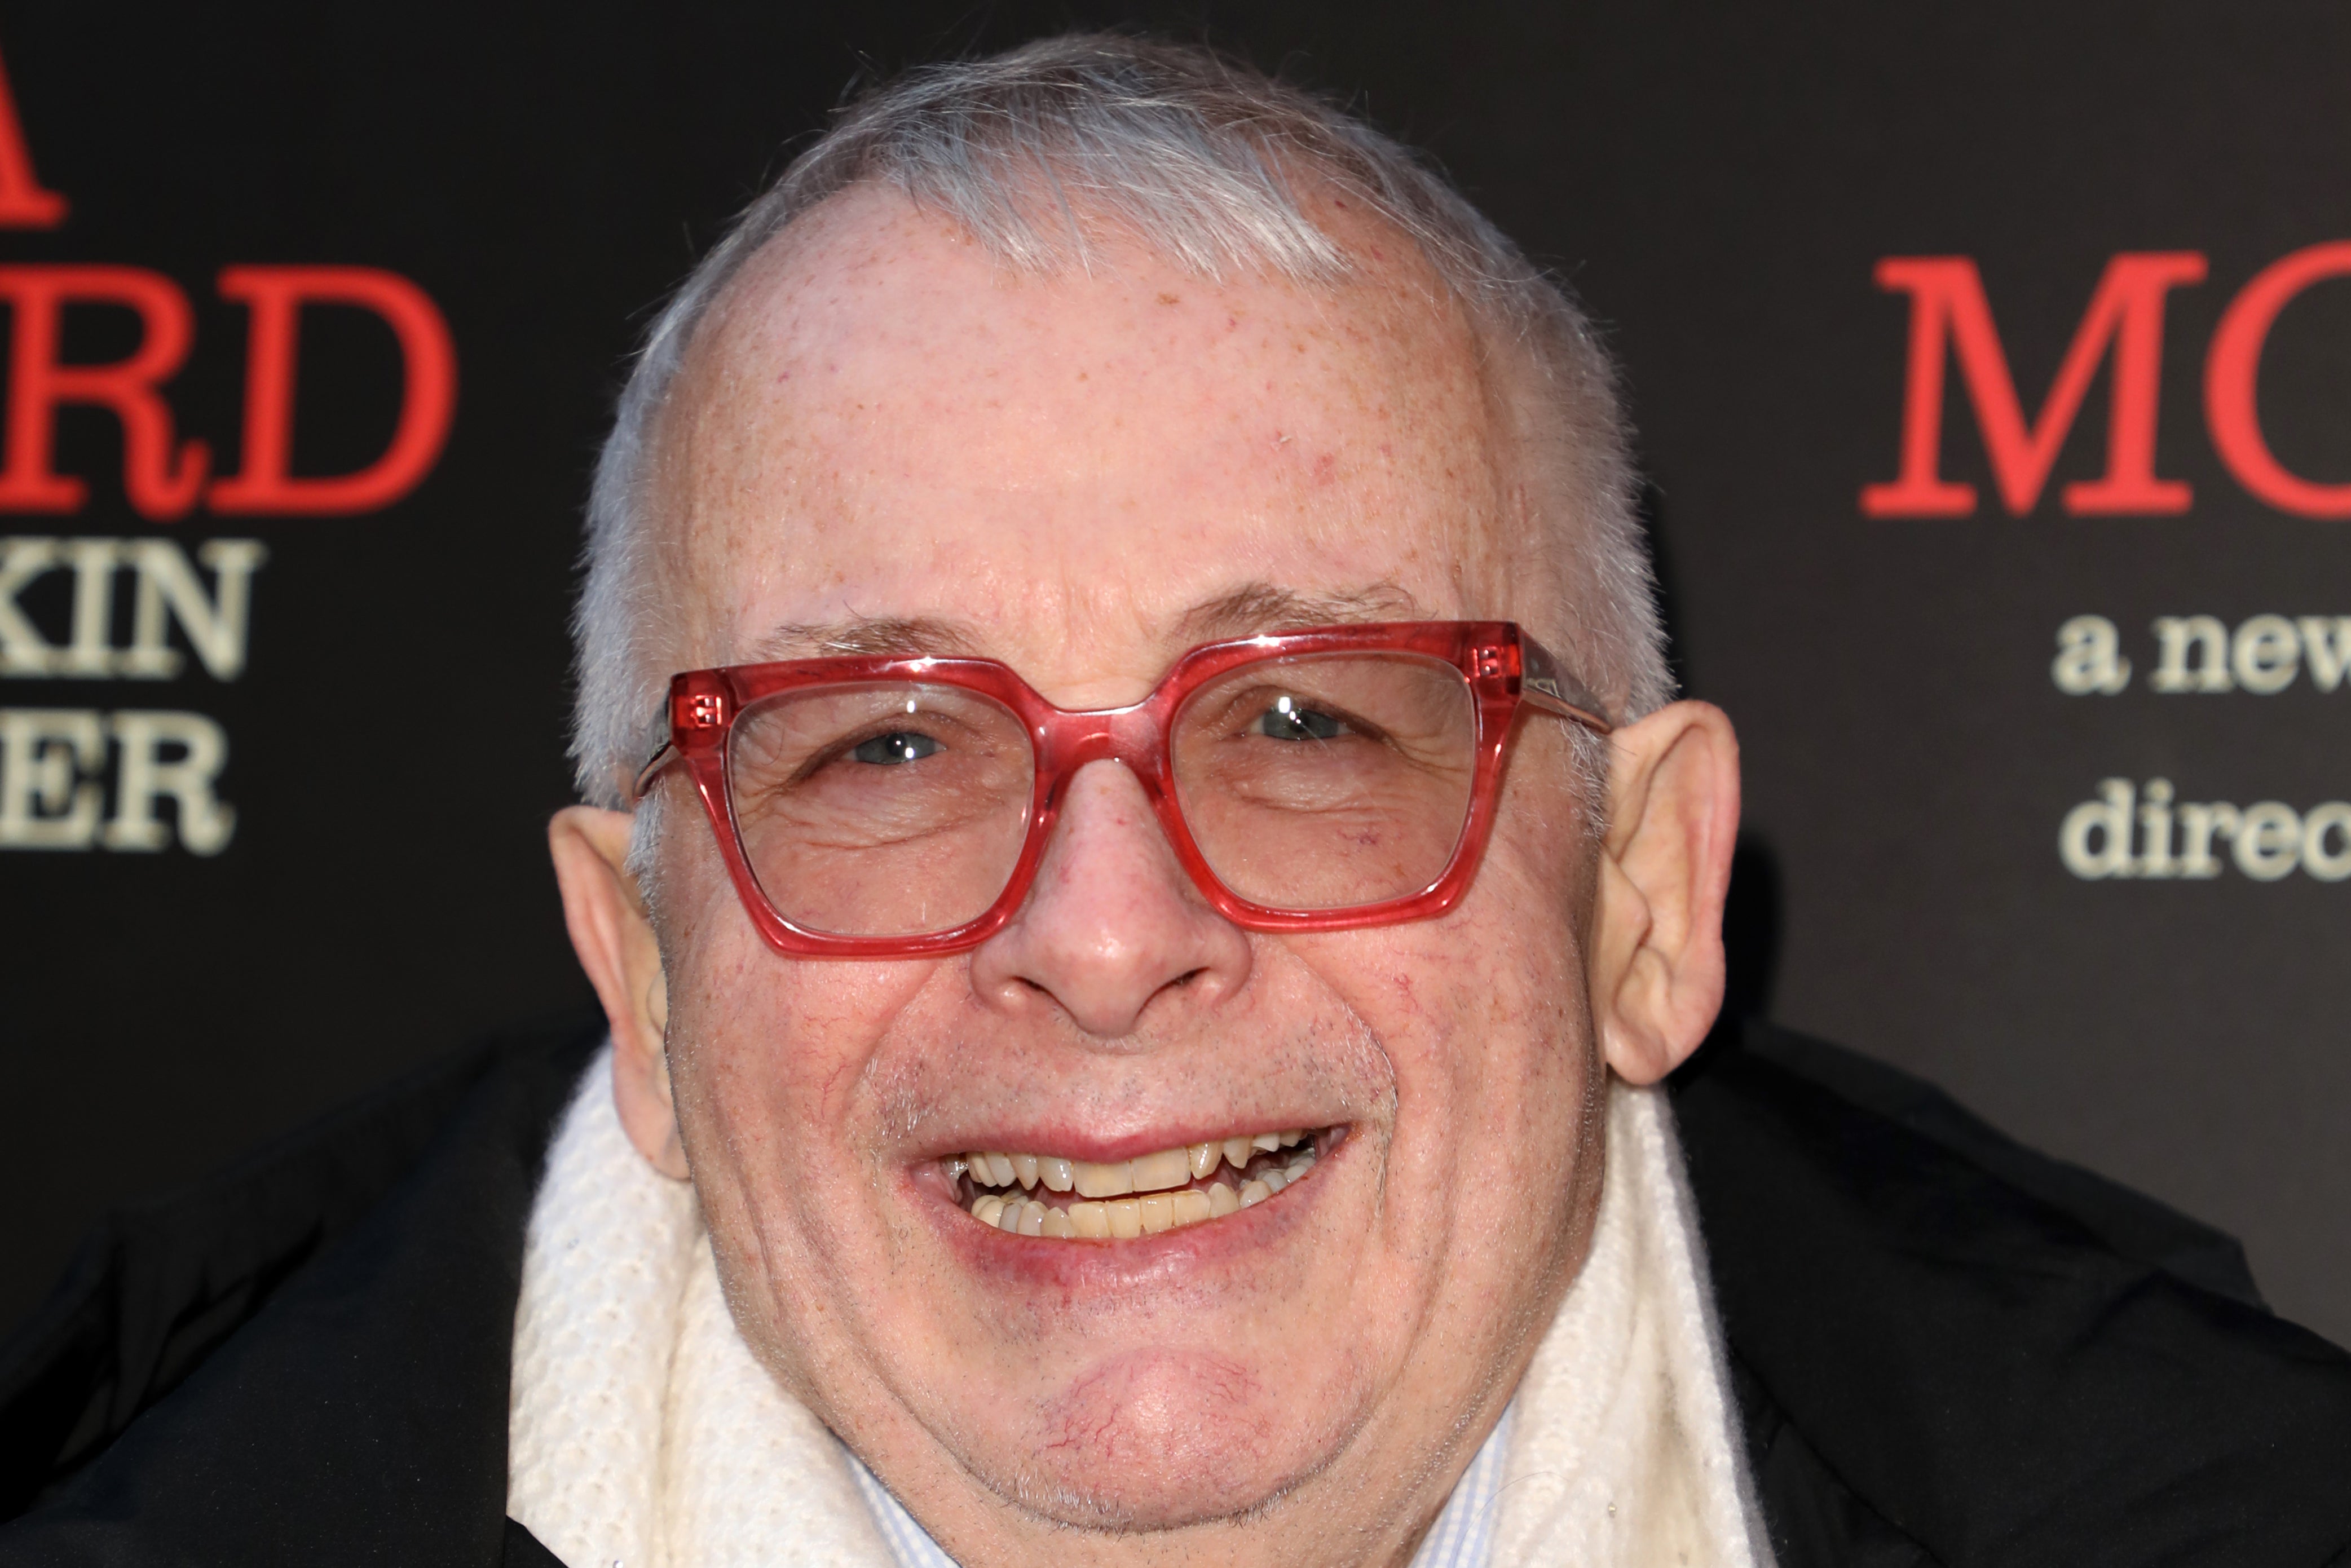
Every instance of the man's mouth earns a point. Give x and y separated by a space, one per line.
1043 1195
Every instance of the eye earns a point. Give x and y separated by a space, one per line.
1289 719
898 745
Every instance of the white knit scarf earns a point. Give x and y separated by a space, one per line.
643 1434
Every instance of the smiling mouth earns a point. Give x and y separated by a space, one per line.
1043 1195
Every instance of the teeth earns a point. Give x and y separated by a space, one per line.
1156 1172
1164 1197
1104 1181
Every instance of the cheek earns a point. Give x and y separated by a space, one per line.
1539 1048
1487 1014
1483 1020
1508 961
769 1060
1479 1016
772 1066
784 1044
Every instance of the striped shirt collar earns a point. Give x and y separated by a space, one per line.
1462 1537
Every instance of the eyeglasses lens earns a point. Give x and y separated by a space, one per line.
899 808
1329 783
893 808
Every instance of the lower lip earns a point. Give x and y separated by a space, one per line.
1079 1262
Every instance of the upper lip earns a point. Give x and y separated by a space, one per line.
1074 1144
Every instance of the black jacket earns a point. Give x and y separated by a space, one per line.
1944 1348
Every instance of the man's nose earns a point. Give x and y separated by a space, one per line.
1111 927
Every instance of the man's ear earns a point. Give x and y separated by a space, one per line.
614 939
1655 965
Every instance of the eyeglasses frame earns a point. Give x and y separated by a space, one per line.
1506 671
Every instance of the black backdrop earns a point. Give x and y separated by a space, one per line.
1721 183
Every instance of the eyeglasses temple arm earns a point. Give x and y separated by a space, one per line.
668 754
1544 682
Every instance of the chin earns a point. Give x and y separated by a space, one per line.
1158 1439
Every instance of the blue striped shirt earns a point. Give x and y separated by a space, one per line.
1462 1537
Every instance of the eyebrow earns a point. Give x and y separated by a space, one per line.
1259 608
872 636
1252 610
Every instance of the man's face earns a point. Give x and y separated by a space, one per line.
884 439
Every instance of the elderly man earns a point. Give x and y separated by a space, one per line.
1131 935
1144 883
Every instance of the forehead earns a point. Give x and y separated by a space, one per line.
880 421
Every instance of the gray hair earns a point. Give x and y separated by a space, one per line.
1035 152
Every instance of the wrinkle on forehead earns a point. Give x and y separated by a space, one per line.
794 453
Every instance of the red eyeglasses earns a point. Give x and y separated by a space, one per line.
892 808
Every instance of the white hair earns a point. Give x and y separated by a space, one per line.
1036 152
